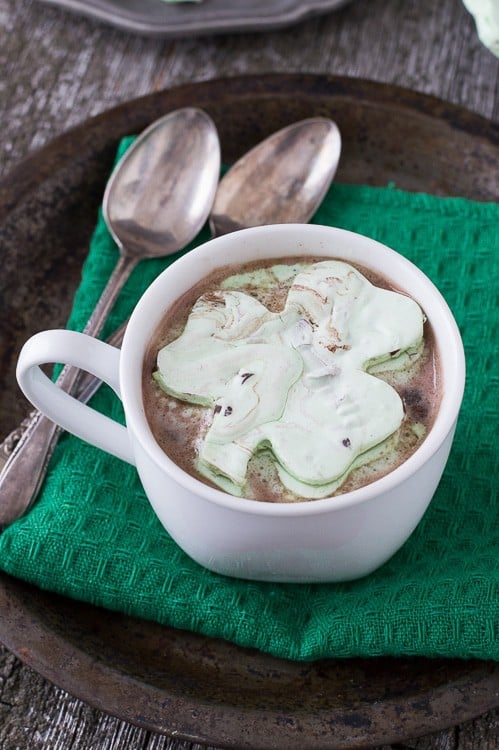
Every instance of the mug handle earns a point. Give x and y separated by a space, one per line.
86 353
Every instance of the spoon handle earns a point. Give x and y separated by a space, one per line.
29 459
17 498
31 455
115 284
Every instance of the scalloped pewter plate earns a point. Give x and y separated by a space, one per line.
162 19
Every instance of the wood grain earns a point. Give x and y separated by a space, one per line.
59 69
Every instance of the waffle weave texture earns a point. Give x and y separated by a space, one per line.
93 536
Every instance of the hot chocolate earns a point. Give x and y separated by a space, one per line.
293 380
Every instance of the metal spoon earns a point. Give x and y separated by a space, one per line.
159 196
156 201
298 164
281 180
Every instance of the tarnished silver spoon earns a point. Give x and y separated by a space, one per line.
291 172
156 201
281 180
159 196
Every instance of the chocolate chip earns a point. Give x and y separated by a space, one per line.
246 375
228 411
394 353
218 409
346 442
415 403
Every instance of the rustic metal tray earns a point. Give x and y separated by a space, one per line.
171 681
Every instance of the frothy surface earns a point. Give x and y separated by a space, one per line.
293 370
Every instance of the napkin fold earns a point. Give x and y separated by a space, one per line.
93 536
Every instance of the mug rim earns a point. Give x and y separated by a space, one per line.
203 256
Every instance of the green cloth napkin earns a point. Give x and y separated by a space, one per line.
93 536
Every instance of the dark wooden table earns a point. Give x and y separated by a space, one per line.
58 69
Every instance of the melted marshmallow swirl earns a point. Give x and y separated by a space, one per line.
299 382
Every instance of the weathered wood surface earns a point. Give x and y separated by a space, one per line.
58 69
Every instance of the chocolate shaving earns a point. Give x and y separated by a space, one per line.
303 288
218 409
214 297
246 375
334 347
415 404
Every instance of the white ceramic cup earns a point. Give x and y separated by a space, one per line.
332 539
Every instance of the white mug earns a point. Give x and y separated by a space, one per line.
331 539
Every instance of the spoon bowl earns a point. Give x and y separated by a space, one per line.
162 190
282 180
159 195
